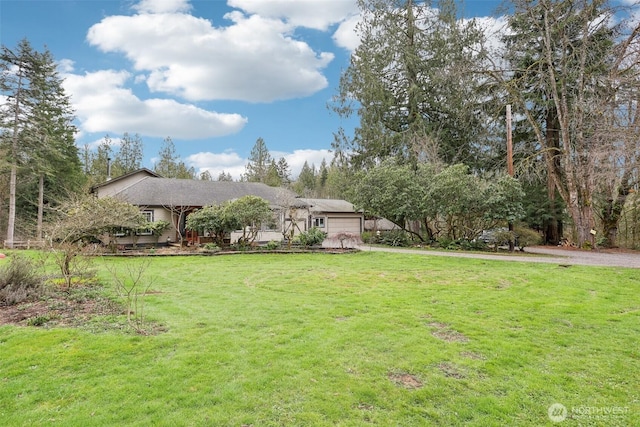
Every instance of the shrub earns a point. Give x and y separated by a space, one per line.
19 281
211 247
344 239
369 237
314 236
272 245
394 238
527 237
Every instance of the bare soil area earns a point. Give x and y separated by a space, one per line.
59 308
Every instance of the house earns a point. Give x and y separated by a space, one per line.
172 200
333 216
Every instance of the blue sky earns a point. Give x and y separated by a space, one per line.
213 75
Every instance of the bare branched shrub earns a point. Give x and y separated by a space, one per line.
19 281
343 240
130 283
74 261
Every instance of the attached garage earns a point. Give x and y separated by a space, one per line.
339 224
333 216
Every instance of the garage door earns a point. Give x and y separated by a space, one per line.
338 224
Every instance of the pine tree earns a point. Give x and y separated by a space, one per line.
410 81
129 156
170 165
223 176
38 134
259 162
206 176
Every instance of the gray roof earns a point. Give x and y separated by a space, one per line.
329 205
152 191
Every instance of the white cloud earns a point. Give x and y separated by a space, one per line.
296 159
162 6
494 29
103 104
345 36
65 66
230 162
253 59
317 14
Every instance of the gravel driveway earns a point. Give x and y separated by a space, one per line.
552 255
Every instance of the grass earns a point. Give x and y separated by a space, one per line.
345 340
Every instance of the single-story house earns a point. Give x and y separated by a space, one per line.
172 200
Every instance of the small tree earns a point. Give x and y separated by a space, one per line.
89 219
251 212
130 285
313 237
216 220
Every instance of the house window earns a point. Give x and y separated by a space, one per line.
149 217
318 222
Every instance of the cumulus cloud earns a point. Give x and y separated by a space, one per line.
317 14
296 159
162 6
231 163
228 162
253 59
104 104
345 36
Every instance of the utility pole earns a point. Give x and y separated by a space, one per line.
510 169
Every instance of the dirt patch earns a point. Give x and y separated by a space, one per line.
443 332
472 355
60 308
405 380
451 371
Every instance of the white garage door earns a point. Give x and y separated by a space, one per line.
338 224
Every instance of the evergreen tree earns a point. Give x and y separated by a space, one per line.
306 183
259 161
129 155
272 178
99 162
284 172
37 135
223 176
205 176
170 165
412 84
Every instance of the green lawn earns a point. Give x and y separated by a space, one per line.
346 340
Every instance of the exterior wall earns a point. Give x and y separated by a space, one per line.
120 183
169 235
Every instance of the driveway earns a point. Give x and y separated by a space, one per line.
550 255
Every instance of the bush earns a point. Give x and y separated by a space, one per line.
395 238
272 245
19 281
312 237
369 237
343 240
211 247
527 237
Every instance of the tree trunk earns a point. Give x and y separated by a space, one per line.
552 137
40 207
583 220
12 206
611 214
